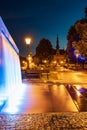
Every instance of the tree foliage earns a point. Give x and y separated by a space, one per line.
77 38
44 49
81 45
72 34
86 12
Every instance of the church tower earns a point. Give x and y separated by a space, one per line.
57 45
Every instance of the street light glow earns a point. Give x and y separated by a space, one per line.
28 41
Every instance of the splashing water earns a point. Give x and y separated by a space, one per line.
10 72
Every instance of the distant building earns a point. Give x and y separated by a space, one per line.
59 56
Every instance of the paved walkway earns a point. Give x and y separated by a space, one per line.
47 121
44 121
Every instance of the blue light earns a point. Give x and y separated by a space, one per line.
15 100
83 90
10 71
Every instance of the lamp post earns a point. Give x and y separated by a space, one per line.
76 52
28 42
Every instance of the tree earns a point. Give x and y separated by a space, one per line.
44 50
77 38
81 45
86 12
72 35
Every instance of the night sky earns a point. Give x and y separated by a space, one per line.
40 19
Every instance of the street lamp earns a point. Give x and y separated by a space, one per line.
76 52
28 42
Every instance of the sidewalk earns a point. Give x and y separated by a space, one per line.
44 121
47 121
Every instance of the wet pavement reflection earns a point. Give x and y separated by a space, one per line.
79 95
40 98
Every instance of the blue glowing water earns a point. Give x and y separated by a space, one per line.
10 72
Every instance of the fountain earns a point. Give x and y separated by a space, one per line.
10 72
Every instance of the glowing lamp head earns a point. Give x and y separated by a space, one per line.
28 41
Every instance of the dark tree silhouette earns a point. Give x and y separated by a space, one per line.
77 37
86 12
44 49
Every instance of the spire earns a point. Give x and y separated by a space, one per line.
57 43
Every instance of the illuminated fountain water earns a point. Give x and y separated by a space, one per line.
10 72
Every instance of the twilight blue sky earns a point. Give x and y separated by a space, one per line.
40 19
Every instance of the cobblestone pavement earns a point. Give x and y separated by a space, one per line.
45 121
